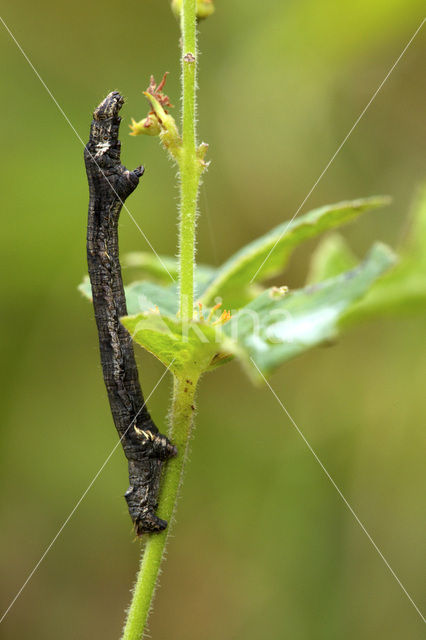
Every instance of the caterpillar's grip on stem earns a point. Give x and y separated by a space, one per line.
110 183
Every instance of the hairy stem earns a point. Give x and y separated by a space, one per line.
182 411
180 431
189 166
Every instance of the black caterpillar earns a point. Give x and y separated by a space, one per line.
110 183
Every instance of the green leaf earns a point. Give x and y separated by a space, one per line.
267 255
270 330
331 258
146 296
403 289
187 348
85 288
152 268
142 296
278 326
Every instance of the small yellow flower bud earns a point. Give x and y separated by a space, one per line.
159 122
278 292
149 126
205 8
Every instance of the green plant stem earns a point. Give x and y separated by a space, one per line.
182 412
189 166
180 431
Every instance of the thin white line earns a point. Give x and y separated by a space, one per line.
80 501
82 142
343 142
341 495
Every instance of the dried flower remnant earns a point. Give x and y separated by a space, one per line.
159 122
151 125
157 92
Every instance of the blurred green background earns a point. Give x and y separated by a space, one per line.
263 545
